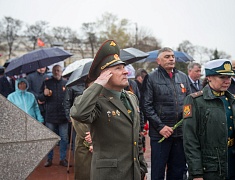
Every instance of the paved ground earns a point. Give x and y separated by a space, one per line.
58 172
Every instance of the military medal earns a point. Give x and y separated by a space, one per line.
118 112
113 113
183 89
109 115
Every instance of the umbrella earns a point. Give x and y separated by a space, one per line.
73 66
179 56
36 59
79 74
8 62
131 55
131 71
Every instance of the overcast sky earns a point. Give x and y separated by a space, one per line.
208 23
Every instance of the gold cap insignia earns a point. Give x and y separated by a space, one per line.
227 67
112 43
116 57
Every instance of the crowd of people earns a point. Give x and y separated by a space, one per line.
190 120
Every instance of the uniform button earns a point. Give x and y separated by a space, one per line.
231 117
135 143
226 99
230 128
204 168
134 159
229 107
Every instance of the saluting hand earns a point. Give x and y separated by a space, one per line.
104 77
166 131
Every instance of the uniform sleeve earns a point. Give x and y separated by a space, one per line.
85 108
190 137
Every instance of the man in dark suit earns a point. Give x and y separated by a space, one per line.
115 121
194 74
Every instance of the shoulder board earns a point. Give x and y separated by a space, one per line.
196 94
129 92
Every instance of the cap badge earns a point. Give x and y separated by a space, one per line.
112 43
116 57
227 67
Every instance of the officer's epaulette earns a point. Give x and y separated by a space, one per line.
197 94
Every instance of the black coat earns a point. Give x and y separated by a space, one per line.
35 80
70 94
6 87
162 100
55 112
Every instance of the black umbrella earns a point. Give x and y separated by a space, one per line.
80 74
131 55
36 59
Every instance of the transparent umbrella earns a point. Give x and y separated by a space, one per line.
79 74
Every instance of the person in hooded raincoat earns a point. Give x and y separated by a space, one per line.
25 100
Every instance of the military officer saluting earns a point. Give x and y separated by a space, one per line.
115 125
208 127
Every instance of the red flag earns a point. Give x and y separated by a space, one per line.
40 43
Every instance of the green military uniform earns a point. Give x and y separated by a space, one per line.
82 155
208 132
117 150
115 130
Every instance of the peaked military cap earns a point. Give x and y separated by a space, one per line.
219 67
107 56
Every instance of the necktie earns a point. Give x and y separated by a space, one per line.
196 85
127 104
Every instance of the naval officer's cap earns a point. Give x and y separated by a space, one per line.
219 67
